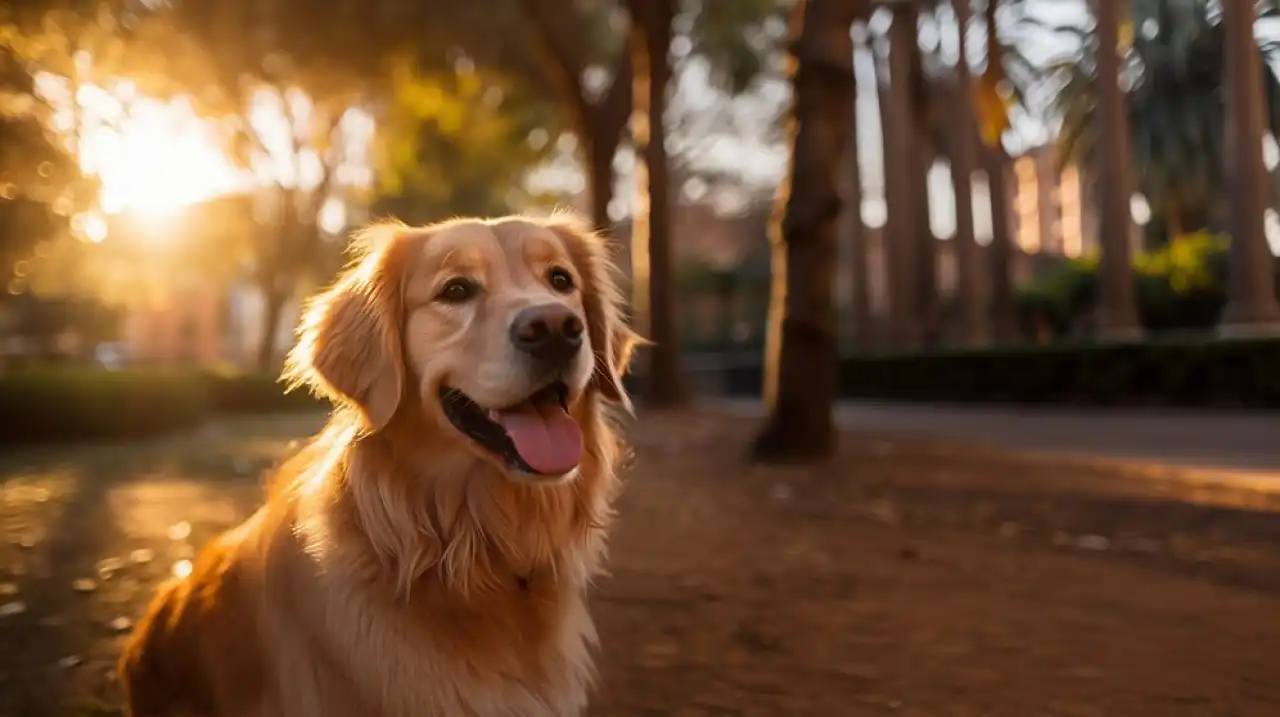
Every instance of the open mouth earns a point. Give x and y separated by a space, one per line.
536 435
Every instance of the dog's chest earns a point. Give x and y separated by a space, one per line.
492 660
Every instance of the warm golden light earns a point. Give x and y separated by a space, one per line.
154 158
157 160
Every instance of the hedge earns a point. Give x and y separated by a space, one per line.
80 404
1239 373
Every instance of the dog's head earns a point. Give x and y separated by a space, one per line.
498 332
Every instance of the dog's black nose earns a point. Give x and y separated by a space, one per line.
551 333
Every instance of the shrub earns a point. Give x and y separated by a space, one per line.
1237 373
74 403
256 393
53 404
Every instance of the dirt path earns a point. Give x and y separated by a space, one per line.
903 579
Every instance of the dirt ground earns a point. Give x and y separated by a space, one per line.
904 578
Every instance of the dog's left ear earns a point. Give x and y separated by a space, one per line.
611 339
349 347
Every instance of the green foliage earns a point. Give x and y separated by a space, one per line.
455 143
1180 286
40 181
737 37
1177 112
1208 372
81 404
1060 298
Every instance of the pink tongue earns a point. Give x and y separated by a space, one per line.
545 436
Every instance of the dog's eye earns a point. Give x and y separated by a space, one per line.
560 280
456 291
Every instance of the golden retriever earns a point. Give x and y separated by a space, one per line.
427 554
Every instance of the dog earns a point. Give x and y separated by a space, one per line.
427 554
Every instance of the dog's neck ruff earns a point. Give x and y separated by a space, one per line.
455 521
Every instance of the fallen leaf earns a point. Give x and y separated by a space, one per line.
1093 542
108 567
84 585
16 607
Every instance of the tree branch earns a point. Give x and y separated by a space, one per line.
559 61
614 109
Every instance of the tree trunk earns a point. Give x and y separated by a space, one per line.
902 218
653 278
996 162
273 301
599 120
1117 309
924 150
1251 289
801 373
855 233
1004 325
963 160
929 306
601 149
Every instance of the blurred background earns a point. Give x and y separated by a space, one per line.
178 175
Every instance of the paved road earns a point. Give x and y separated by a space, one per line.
1228 443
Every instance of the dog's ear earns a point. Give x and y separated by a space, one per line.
349 348
611 339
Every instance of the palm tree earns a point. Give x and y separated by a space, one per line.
1176 109
904 119
651 230
801 377
963 162
855 232
1252 303
1006 69
1117 309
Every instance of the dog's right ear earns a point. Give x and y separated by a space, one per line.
349 348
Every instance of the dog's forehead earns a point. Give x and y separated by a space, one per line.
472 245
529 241
459 246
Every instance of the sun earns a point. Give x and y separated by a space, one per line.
155 160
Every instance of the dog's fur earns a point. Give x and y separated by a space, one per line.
396 570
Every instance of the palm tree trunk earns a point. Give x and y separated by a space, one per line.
801 375
902 217
600 178
1004 325
1251 289
651 228
996 162
929 317
855 232
963 160
1117 309
929 320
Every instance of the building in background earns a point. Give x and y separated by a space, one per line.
204 326
1051 213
